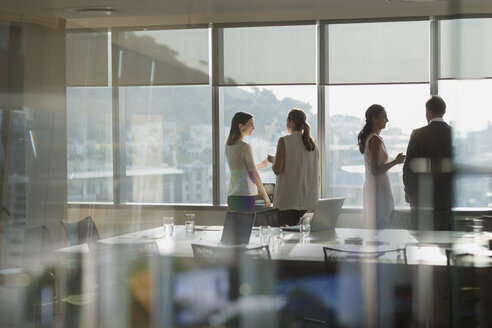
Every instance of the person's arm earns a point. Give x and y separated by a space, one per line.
262 164
257 180
375 145
409 178
278 165
254 176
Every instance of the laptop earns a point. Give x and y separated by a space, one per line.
237 228
325 217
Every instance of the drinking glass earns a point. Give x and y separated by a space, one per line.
477 228
275 239
168 226
305 229
190 223
265 235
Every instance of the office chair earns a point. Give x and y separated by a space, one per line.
402 220
362 255
230 253
80 232
267 217
469 290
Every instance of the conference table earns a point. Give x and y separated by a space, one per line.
368 284
422 247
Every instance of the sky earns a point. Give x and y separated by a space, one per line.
469 103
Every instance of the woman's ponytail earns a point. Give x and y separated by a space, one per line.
306 137
298 117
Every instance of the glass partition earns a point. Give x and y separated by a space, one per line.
269 55
346 106
89 144
167 138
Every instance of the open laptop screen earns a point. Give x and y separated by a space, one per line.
237 228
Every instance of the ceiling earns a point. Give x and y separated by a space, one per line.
93 13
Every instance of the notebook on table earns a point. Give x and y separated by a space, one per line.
237 228
325 217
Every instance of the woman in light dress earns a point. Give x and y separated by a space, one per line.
377 196
245 181
296 166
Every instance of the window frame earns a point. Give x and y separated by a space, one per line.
215 65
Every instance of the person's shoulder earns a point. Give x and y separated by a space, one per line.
240 144
243 145
371 135
418 131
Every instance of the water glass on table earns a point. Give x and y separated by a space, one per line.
190 223
265 235
305 230
275 238
168 226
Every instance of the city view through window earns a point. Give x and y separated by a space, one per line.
166 132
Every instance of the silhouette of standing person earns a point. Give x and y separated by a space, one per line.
378 199
429 152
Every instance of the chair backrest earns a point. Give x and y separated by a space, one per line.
129 251
402 219
262 252
82 231
207 251
230 253
361 254
268 217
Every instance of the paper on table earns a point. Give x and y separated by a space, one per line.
303 251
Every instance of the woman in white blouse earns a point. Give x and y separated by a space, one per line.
296 166
245 181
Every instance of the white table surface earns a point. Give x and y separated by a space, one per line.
426 247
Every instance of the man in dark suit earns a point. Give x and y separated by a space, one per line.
427 172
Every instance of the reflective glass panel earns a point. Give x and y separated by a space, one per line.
269 106
162 57
89 145
346 107
87 58
269 55
386 52
469 111
167 135
465 48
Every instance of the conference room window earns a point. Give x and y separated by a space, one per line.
165 113
384 63
266 71
465 83
89 118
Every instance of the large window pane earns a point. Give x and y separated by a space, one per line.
269 55
346 106
469 110
89 145
270 106
168 133
377 52
466 48
162 57
87 58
